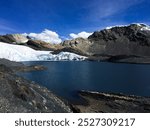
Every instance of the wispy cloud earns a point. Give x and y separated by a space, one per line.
100 9
98 14
6 27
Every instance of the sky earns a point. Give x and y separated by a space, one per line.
69 18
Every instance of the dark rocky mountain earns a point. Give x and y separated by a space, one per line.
128 40
121 44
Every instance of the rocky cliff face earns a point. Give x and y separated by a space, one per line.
80 44
41 45
19 39
13 38
128 40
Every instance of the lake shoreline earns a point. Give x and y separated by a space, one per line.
19 95
98 102
93 101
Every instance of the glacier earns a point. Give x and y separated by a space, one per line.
22 53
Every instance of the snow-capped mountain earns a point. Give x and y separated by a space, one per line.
23 53
118 42
142 26
122 43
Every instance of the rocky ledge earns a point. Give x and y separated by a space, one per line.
113 103
18 66
18 95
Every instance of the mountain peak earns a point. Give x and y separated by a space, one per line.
136 26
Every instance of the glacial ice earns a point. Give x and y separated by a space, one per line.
22 53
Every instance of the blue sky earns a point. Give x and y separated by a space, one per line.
69 16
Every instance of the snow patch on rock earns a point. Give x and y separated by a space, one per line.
146 28
110 27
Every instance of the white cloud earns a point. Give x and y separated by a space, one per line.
81 34
47 36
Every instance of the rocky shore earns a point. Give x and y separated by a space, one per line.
97 102
18 95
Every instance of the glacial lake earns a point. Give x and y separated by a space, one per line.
66 78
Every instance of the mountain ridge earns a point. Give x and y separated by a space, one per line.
128 43
131 41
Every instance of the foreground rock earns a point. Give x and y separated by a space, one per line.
20 95
113 103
